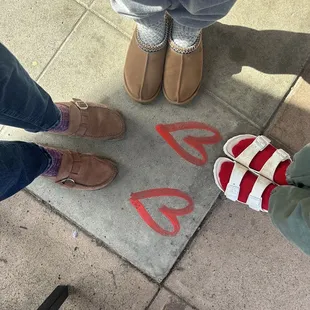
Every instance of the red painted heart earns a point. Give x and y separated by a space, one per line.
197 143
170 214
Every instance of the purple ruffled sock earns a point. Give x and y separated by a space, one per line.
64 120
53 168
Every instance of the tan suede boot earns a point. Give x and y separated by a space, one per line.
183 72
95 121
84 171
144 68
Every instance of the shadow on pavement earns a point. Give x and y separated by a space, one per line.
251 70
268 51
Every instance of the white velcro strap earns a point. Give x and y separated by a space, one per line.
259 144
273 162
255 198
233 187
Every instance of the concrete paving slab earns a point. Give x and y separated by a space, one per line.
34 30
254 56
168 301
91 66
38 252
291 124
87 3
240 261
105 11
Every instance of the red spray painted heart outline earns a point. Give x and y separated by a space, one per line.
170 214
197 143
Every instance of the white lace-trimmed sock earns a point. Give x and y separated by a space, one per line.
184 36
152 34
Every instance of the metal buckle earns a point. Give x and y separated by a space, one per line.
80 104
283 155
261 142
254 203
64 181
232 192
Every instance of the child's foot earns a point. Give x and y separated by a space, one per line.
240 184
184 64
258 154
89 120
144 66
79 171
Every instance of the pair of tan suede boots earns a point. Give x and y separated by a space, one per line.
177 70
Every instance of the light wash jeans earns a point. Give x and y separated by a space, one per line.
289 206
191 13
23 104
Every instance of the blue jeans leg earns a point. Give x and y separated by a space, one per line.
191 13
201 13
20 164
23 104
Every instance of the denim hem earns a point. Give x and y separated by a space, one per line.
56 123
49 159
150 20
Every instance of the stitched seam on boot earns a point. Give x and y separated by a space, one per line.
57 179
143 77
180 79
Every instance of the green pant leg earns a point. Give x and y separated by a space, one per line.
289 209
298 172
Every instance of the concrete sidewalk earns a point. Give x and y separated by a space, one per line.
237 260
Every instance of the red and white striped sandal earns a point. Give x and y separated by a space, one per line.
260 156
242 185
